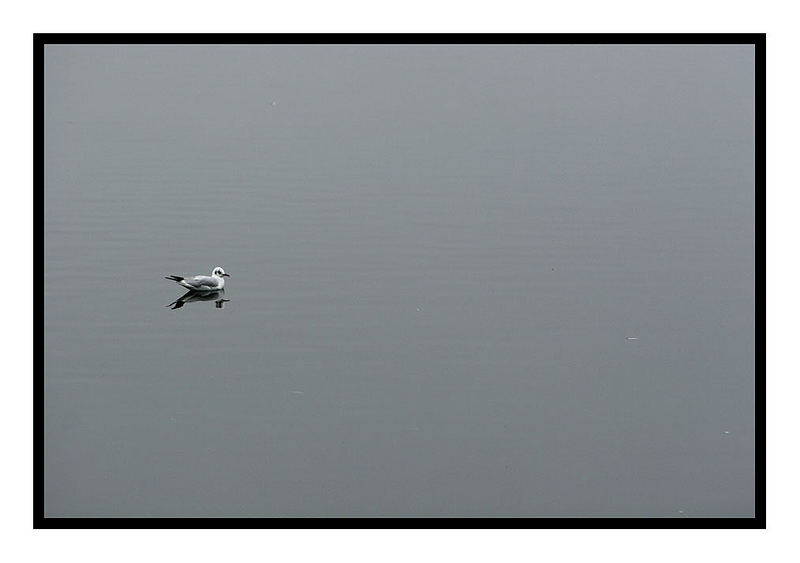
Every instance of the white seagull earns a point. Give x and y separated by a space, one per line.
214 282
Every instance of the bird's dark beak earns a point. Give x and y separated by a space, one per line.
226 275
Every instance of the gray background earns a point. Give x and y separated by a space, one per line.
437 254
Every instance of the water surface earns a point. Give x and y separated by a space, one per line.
438 255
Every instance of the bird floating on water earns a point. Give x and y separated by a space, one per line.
214 282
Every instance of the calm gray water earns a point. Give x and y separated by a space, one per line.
438 255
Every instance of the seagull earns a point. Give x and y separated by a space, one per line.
214 282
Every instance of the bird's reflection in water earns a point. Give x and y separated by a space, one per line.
218 297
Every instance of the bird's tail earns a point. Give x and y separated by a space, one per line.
174 278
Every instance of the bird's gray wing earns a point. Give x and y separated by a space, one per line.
199 282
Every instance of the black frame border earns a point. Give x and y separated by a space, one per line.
758 40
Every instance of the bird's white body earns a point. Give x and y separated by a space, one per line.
203 283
